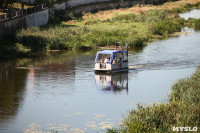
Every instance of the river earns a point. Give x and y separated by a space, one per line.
59 90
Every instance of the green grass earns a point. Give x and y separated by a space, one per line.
194 23
132 29
182 110
83 34
185 7
166 27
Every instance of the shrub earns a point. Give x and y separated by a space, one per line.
126 17
194 23
165 27
137 41
21 49
149 16
40 39
187 90
183 110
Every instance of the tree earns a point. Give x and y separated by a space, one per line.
6 3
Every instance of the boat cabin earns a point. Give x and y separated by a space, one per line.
111 61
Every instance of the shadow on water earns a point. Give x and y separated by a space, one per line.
12 88
111 83
18 77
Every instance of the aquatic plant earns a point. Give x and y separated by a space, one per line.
134 29
166 27
194 23
182 110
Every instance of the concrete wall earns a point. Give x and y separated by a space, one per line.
28 1
74 3
60 6
110 5
33 20
7 27
82 2
37 19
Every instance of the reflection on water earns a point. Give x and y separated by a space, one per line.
51 74
12 84
60 90
174 53
195 13
112 83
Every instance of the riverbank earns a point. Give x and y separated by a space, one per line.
103 29
182 110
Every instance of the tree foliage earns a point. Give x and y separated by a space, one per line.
6 3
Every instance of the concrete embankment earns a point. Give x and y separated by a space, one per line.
79 9
32 20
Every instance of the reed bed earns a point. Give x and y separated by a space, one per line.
194 23
132 29
124 28
182 110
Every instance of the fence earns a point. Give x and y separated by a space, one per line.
23 12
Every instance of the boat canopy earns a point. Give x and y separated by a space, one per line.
111 52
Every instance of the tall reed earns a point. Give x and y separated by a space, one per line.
182 110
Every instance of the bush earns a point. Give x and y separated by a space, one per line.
165 27
183 110
39 39
187 90
126 17
149 16
194 23
137 41
21 49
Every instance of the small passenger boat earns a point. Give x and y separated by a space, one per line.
110 61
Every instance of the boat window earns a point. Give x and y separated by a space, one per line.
120 57
125 56
102 58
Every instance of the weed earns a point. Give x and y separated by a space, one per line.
182 110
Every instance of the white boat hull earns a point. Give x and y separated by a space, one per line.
111 68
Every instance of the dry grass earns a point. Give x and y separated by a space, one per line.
18 6
103 15
15 6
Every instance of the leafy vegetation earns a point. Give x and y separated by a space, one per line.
182 110
6 3
194 23
89 32
137 29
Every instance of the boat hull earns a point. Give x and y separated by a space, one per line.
112 71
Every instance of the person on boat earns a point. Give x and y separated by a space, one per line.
105 60
108 60
120 60
101 61
114 61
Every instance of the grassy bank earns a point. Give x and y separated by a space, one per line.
182 110
127 26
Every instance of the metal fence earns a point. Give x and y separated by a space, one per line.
14 14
